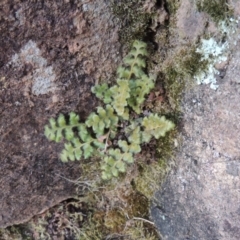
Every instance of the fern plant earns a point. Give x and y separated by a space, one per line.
84 140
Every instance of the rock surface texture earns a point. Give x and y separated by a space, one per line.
201 198
51 54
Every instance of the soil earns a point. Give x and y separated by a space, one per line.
51 54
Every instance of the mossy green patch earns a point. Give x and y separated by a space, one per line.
17 232
218 9
172 6
115 220
178 73
135 20
139 229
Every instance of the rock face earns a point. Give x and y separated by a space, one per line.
51 53
201 197
200 200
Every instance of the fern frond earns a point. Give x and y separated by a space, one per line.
73 119
114 163
59 129
129 92
135 136
134 148
102 91
139 88
61 121
141 47
137 71
105 119
54 132
125 115
83 133
112 116
156 126
87 150
128 157
128 60
123 145
96 123
123 73
120 96
72 151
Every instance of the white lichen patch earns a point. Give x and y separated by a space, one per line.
42 76
214 53
228 27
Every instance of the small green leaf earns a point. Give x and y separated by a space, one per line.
107 97
76 142
123 145
121 166
83 133
96 123
128 157
61 121
135 136
78 154
125 115
120 96
140 48
58 136
102 92
134 148
87 150
71 156
99 144
64 156
53 123
49 133
123 73
69 134
157 126
114 172
105 167
110 161
116 153
99 90
106 175
140 63
68 147
113 133
145 137
128 61
110 113
137 71
73 119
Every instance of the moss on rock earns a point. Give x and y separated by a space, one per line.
135 20
218 9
